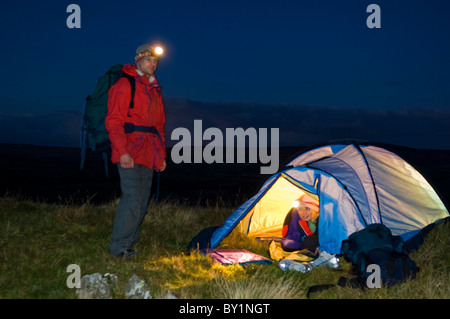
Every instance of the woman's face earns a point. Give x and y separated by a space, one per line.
305 213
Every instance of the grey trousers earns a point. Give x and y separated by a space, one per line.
135 184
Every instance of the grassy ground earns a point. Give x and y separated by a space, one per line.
39 240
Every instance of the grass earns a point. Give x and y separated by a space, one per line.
39 240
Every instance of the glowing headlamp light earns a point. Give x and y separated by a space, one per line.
295 203
158 50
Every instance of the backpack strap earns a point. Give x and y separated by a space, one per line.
132 81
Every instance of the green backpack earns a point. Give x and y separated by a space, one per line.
93 132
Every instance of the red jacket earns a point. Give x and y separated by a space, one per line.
145 148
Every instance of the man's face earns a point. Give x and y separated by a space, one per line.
148 66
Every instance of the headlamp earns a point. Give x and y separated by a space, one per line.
295 203
154 51
159 50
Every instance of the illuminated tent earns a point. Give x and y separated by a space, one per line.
356 185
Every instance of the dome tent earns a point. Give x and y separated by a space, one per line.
356 185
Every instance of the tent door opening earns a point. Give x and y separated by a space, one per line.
264 221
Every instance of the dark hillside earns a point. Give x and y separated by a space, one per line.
53 174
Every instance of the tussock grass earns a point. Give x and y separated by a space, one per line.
258 286
39 240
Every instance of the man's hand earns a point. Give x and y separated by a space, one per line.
126 161
163 167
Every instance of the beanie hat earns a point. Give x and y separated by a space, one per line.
144 52
308 201
311 203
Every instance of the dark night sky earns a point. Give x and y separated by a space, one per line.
313 69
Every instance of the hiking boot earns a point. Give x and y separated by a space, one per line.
129 253
287 264
325 259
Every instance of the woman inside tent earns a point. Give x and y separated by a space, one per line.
300 229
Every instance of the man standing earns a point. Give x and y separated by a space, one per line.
135 124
